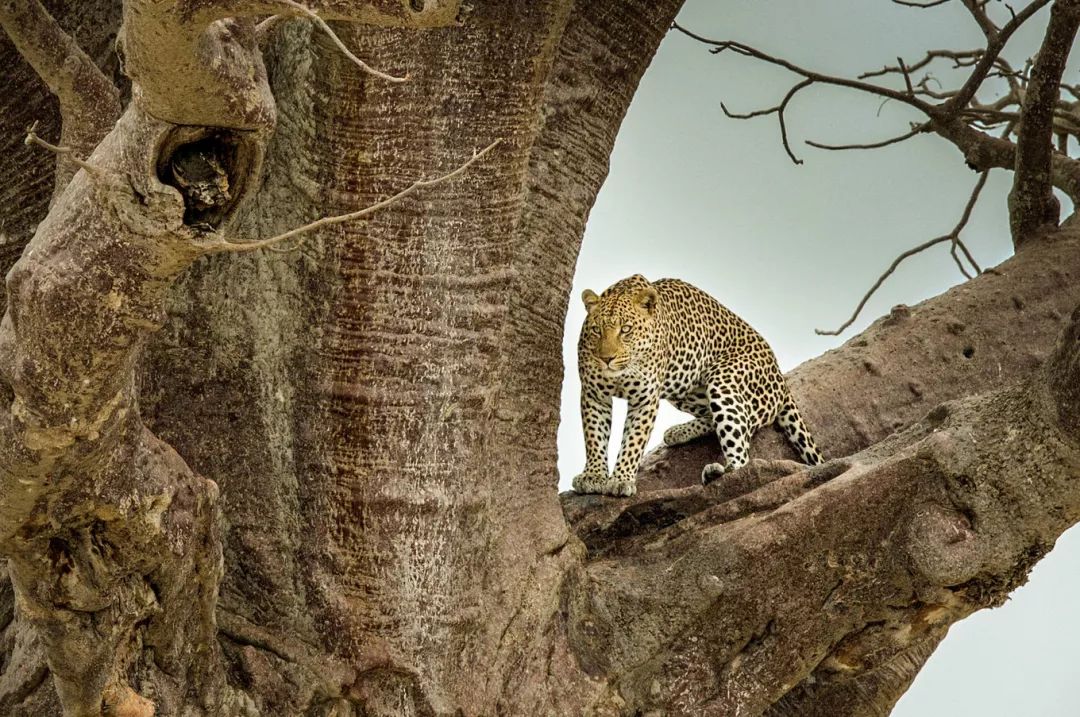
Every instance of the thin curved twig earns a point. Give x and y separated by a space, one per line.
719 46
918 129
778 110
317 19
89 101
32 138
953 237
920 5
222 245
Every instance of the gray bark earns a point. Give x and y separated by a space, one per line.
323 482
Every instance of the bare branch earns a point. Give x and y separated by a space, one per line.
959 264
719 46
977 8
916 130
222 246
907 75
380 13
995 44
965 58
267 26
89 102
955 115
921 5
953 237
67 152
778 110
307 12
1032 204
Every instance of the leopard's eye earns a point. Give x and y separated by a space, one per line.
594 329
626 328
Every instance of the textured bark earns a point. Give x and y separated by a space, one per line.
29 177
1032 205
438 521
342 501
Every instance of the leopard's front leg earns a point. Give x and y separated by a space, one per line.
596 422
640 417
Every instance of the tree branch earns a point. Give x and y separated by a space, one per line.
66 152
719 46
89 102
223 246
921 5
384 13
956 115
305 11
953 237
977 9
918 129
1032 205
779 111
995 44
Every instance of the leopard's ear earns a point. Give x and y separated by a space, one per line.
590 298
646 297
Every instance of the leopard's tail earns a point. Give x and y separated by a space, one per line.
791 423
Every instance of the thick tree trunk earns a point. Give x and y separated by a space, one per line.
343 502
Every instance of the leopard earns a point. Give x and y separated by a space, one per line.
645 341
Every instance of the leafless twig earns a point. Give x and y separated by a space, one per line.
918 129
32 138
720 46
89 101
953 237
779 111
994 45
314 17
221 245
923 5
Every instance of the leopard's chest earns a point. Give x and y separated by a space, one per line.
685 365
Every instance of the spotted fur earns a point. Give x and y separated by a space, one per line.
646 341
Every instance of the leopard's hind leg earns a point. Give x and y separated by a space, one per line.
791 423
732 416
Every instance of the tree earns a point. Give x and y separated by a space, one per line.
319 478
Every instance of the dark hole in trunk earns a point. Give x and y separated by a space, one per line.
209 168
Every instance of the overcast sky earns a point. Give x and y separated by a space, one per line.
718 203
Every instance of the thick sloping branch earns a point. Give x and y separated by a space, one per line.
877 592
829 587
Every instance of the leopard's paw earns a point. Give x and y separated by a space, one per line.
623 488
676 436
686 432
589 482
711 472
603 485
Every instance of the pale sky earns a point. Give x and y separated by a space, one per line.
717 202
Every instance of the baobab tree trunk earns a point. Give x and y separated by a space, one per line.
322 482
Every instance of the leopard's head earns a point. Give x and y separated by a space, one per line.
619 331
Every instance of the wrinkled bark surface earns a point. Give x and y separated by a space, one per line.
322 482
